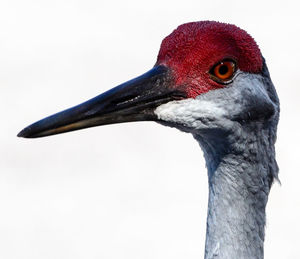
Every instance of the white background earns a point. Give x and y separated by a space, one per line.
134 190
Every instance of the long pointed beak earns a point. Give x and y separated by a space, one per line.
134 100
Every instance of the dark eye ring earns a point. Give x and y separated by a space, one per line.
223 71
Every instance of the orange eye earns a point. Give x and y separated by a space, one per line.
224 70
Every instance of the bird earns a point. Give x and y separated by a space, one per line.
210 80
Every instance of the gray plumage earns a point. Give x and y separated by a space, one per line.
236 129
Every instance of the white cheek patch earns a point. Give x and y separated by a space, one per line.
190 112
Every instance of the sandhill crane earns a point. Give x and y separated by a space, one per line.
210 80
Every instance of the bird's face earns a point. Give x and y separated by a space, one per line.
223 74
208 75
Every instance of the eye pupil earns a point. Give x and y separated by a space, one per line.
223 70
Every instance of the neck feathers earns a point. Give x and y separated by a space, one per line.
241 168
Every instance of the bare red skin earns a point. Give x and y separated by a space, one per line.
194 48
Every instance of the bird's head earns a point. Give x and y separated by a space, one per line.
208 76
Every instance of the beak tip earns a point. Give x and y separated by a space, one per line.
21 134
24 133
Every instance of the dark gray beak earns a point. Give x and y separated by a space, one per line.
134 100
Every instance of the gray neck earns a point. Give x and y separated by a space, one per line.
241 167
